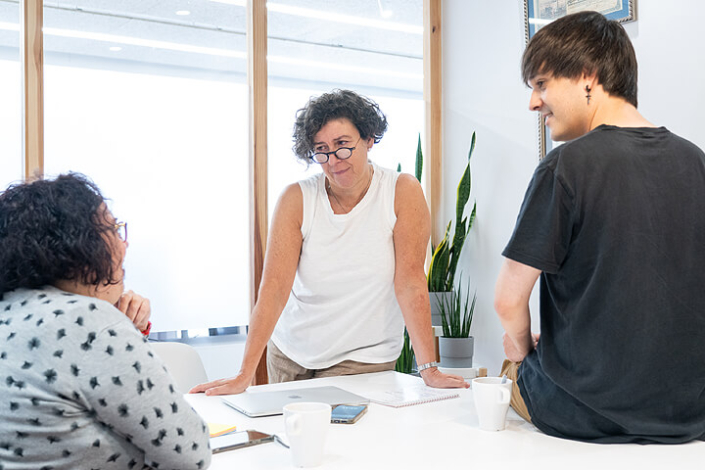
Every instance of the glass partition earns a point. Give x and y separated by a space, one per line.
149 100
372 47
11 167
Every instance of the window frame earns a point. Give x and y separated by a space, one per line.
32 54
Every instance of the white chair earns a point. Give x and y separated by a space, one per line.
183 363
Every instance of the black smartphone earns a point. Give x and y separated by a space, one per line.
347 414
238 440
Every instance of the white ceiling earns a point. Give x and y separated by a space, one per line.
299 47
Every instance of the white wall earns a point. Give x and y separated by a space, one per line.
482 91
670 48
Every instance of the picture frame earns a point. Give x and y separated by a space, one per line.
538 13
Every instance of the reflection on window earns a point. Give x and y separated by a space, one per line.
149 100
151 103
10 96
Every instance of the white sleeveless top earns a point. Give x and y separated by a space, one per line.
342 305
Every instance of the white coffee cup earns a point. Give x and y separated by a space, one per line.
306 427
491 401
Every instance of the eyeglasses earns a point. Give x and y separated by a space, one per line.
343 153
121 229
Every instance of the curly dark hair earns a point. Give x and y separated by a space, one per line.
53 230
364 113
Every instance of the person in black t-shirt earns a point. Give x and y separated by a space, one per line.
613 225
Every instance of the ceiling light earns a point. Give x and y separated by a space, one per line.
183 12
172 46
343 67
9 26
334 17
114 39
237 3
115 48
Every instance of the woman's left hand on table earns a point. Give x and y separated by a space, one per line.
437 379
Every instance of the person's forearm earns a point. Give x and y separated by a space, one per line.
264 319
516 322
512 294
416 308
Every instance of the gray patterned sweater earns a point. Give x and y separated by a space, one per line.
80 388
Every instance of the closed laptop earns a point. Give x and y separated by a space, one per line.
272 403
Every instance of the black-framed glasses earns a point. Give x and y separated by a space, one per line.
121 229
343 153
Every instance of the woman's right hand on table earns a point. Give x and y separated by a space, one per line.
231 386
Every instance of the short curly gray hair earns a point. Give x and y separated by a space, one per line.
364 113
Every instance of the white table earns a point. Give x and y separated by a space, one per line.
440 435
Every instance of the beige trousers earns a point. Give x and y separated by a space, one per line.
512 370
282 369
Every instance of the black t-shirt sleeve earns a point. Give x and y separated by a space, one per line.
545 224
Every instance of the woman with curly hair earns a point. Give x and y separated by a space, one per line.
82 387
344 268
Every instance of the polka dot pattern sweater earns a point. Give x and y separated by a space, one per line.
82 389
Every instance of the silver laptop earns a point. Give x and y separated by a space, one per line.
272 403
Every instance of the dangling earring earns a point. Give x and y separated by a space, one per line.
588 95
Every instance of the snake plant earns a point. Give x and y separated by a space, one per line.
445 257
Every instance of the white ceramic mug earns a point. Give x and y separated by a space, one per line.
491 401
306 427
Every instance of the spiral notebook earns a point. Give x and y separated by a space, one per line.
409 396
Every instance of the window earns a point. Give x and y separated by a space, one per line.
10 96
151 103
149 99
372 47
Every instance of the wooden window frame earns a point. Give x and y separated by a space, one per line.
32 57
433 101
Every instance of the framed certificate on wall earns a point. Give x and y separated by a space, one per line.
541 12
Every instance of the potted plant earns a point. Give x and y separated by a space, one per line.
456 345
446 307
444 261
405 362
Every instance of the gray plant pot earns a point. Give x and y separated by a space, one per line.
438 299
456 352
